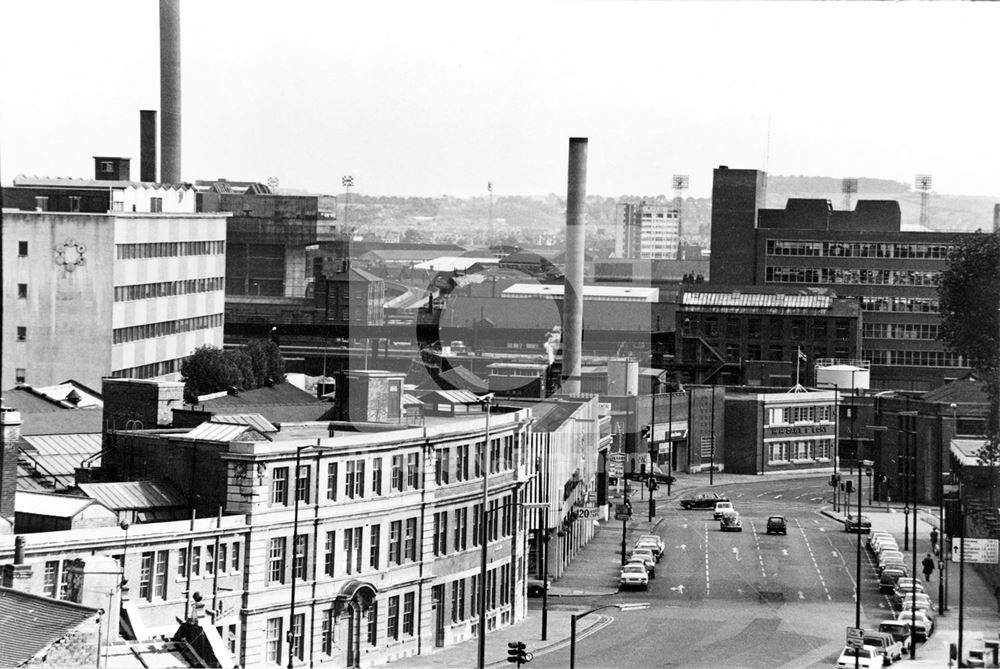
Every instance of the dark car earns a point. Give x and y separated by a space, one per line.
777 525
657 475
851 524
705 500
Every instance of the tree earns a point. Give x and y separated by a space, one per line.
969 297
208 370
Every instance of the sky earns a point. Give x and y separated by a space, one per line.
431 98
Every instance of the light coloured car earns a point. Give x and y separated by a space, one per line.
866 656
886 646
634 576
652 545
900 631
922 625
886 557
908 583
878 535
909 599
882 540
721 508
655 538
645 555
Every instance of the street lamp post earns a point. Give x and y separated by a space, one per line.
836 441
906 418
484 536
638 606
124 525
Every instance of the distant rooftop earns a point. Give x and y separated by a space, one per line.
594 293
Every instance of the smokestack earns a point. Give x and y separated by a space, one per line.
996 218
170 91
576 195
147 145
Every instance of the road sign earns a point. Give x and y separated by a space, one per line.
588 512
985 551
623 511
616 470
855 637
617 457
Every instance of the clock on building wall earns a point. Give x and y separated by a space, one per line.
70 255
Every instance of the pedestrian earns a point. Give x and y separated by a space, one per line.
934 540
928 563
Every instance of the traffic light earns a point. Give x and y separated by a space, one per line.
848 486
517 653
645 431
612 481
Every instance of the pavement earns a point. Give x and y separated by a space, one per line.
592 574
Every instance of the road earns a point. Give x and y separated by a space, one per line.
731 599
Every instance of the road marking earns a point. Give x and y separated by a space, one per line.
685 526
801 596
683 547
815 499
737 552
784 551
815 563
760 495
778 496
678 588
708 581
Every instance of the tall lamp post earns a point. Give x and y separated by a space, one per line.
906 418
836 441
638 606
486 400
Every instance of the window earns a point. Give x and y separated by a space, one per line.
22 291
355 479
302 484
413 471
474 595
504 584
753 328
331 480
107 167
441 466
300 556
441 533
272 644
372 619
20 375
508 452
493 518
51 578
494 456
408 614
22 333
22 249
156 205
182 562
222 558
397 473
160 582
819 329
196 561
375 538
411 539
41 203
236 556
330 547
326 639
298 629
479 459
146 576
461 528
377 476
462 463
276 560
279 485
454 600
392 619
74 203
209 560
352 549
395 542
477 517
842 329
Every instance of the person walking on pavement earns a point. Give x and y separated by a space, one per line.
928 563
934 540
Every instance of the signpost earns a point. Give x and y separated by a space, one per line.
588 512
983 551
855 637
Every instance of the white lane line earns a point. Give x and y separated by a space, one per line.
760 554
708 580
778 496
815 563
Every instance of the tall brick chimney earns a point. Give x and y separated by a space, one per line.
10 420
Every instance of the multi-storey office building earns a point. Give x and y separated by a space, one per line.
378 533
645 230
89 295
863 254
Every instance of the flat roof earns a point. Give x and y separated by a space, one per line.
551 290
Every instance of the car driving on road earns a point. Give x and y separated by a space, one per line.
722 508
730 522
777 525
705 500
851 524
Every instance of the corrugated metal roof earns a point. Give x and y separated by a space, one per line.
133 495
64 444
453 396
47 504
254 420
764 301
32 623
410 400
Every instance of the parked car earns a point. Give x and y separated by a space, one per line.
705 500
851 524
777 525
923 626
646 556
634 576
885 557
640 560
918 599
536 588
876 535
652 545
654 538
730 522
908 583
656 474
866 656
886 645
895 563
888 578
721 508
899 630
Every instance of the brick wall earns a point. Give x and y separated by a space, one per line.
11 421
149 402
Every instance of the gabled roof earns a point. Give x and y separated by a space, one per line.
58 455
49 504
465 379
254 420
69 182
33 623
223 432
279 393
133 495
449 397
967 390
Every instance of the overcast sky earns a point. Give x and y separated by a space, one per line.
431 98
